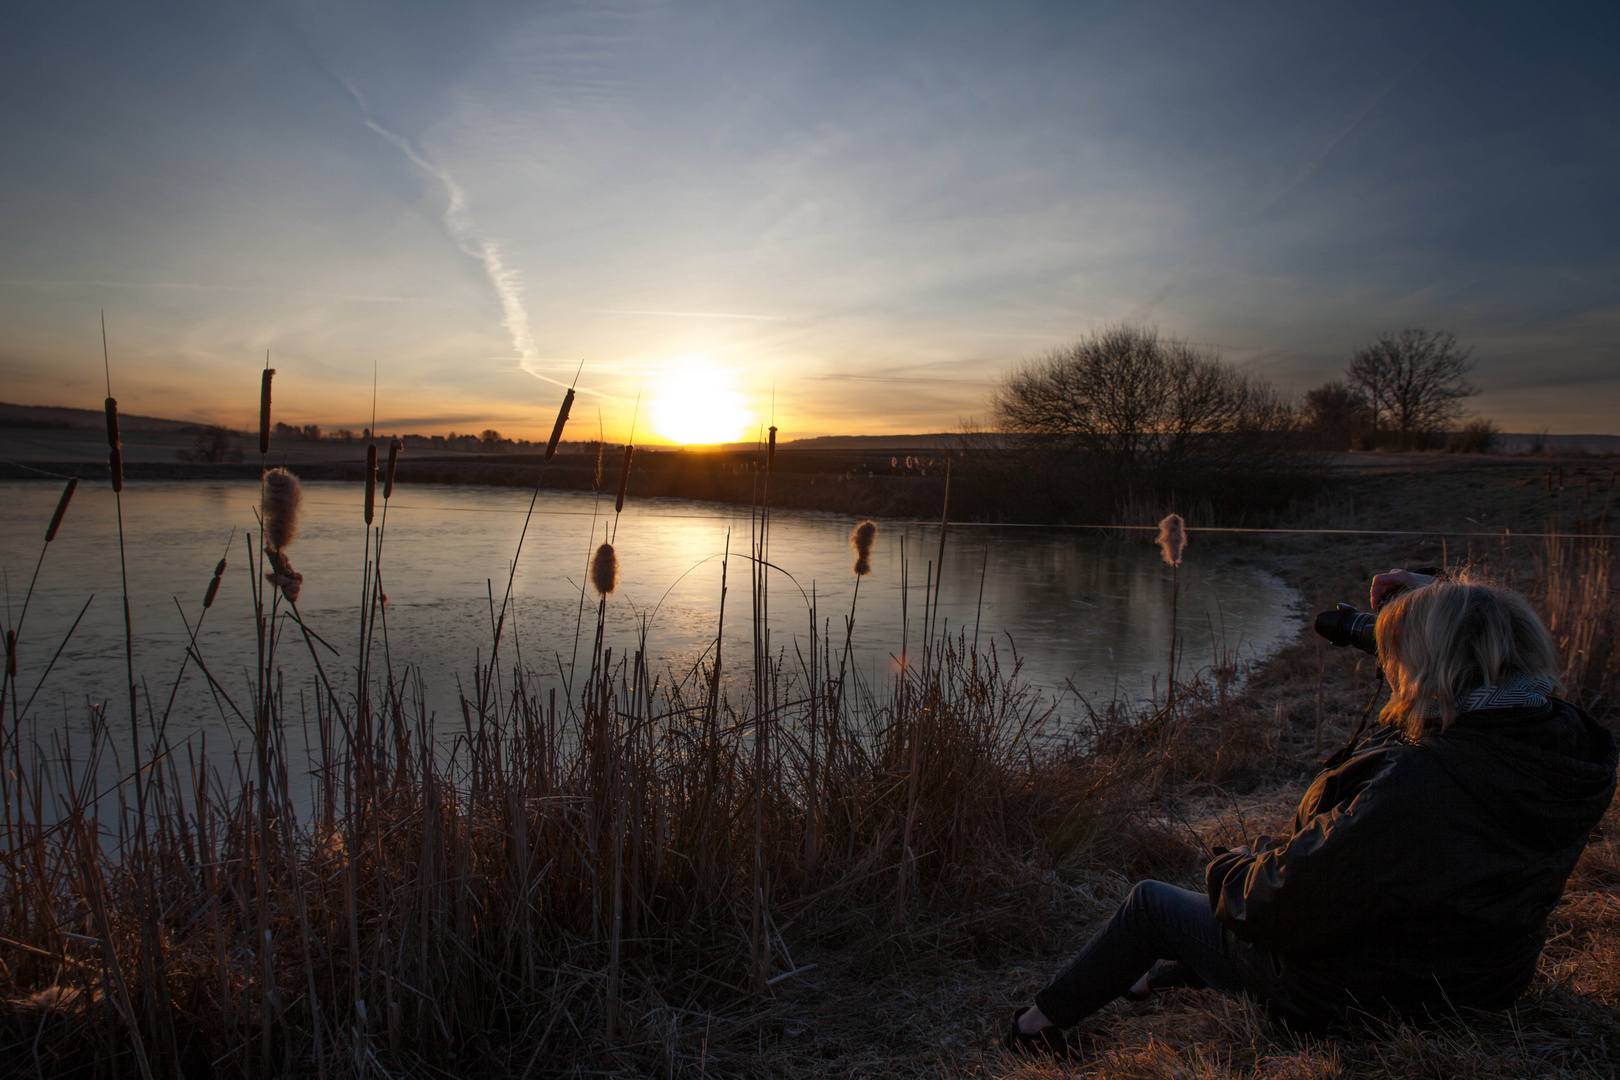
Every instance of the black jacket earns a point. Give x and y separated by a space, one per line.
1418 876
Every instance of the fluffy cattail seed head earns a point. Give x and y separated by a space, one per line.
557 428
282 499
61 508
282 575
1172 539
371 480
861 540
264 411
394 448
624 478
605 570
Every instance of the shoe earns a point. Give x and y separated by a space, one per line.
1047 1042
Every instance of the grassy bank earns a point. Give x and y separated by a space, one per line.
629 874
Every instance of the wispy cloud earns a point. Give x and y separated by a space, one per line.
693 314
192 286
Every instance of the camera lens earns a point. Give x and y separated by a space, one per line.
1344 625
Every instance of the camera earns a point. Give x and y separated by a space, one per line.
1344 625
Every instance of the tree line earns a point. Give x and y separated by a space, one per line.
1125 416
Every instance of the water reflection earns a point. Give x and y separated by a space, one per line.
1084 612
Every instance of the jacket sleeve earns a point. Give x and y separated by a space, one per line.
1317 890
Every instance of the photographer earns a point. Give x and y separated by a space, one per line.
1419 870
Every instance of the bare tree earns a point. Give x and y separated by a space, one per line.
1416 381
1337 414
1154 414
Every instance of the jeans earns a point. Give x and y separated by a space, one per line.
1161 928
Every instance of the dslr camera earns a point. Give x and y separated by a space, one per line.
1344 625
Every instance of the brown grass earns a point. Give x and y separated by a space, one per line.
578 884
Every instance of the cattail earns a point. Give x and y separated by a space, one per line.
61 508
557 429
371 480
115 455
282 575
394 448
213 586
624 478
1172 539
11 653
861 540
770 453
264 411
282 499
605 570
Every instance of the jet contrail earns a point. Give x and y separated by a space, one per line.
1307 168
459 224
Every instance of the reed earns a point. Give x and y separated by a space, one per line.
627 874
1172 541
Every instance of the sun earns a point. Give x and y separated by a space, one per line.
696 402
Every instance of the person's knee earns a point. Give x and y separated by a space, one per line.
1147 899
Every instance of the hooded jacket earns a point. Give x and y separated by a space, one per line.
1418 875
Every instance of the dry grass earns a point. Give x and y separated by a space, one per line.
593 882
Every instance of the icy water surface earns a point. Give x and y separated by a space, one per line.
1087 614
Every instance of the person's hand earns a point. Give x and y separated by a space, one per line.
1384 585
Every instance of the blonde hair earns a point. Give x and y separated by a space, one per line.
1440 642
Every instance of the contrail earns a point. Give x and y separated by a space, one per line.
1307 168
459 224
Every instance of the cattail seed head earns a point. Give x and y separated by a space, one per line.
605 570
282 575
1172 539
371 480
115 466
596 480
213 585
770 453
113 442
282 499
264 411
861 540
394 448
11 653
557 428
61 508
624 478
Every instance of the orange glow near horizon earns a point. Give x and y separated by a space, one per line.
695 403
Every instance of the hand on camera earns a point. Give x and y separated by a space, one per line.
1385 586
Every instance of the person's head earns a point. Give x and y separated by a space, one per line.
1440 642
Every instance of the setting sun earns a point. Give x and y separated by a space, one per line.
696 402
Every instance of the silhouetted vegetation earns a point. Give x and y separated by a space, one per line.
1125 418
1415 383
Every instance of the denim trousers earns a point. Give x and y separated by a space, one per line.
1159 928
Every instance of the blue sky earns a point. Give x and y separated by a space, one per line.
867 211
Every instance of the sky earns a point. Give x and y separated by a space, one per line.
846 218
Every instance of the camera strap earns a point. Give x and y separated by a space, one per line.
1342 754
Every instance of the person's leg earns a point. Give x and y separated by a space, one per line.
1156 922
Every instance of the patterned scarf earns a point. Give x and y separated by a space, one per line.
1515 692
